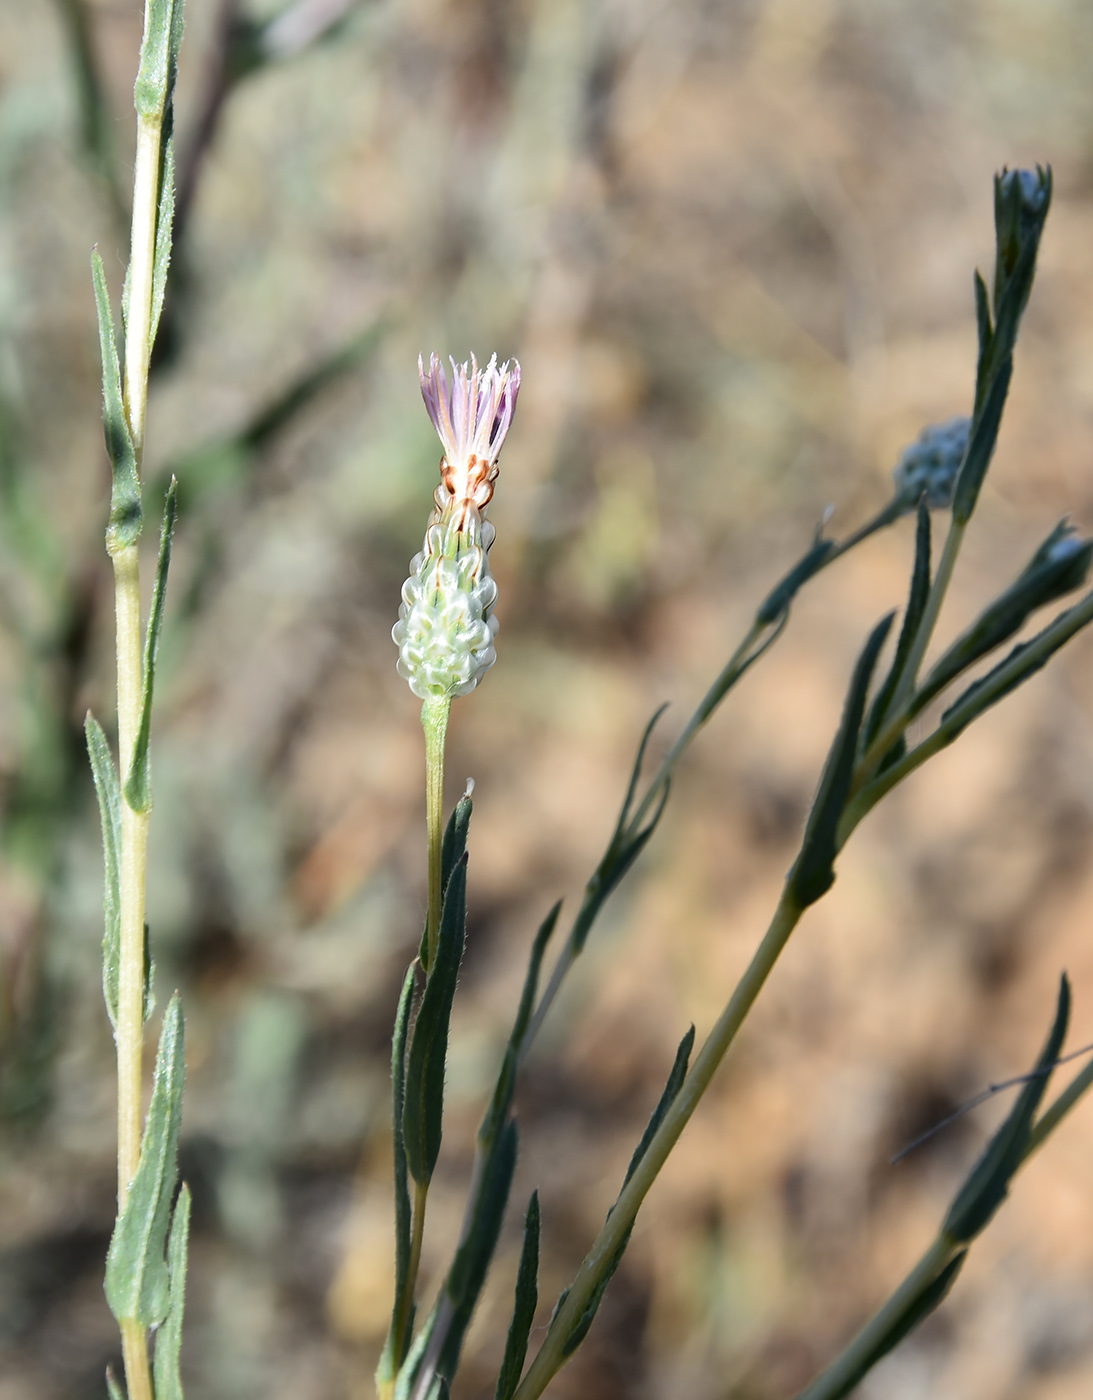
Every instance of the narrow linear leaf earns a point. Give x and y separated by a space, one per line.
113 1389
389 1361
168 1380
454 845
123 529
165 216
138 785
617 860
1014 669
916 607
473 1257
137 1279
158 57
523 1312
1059 566
813 871
108 791
982 320
424 1101
988 1183
778 600
671 1090
635 775
531 980
981 445
675 1082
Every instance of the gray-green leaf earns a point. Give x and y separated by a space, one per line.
165 1371
108 791
158 57
137 1278
124 527
138 784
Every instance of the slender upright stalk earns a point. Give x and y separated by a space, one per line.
130 663
434 721
601 1256
860 1355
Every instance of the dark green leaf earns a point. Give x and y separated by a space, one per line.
635 776
618 859
981 445
783 593
523 1312
168 1381
916 606
1059 566
125 509
424 1103
983 318
389 1362
1014 669
671 1089
472 1259
138 785
531 981
813 871
108 791
455 839
988 1184
137 1280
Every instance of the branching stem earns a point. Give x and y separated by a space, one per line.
552 1354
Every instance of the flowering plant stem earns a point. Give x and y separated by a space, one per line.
130 668
434 721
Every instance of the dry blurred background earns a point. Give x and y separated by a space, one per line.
731 242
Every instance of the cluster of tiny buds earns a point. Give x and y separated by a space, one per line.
930 465
446 625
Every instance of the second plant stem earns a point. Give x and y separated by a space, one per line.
601 1256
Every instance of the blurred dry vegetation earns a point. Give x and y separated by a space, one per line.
732 243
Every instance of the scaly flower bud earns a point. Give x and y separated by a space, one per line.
446 625
930 465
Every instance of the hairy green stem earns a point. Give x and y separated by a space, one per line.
552 1354
434 721
130 663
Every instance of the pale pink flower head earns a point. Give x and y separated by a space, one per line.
471 416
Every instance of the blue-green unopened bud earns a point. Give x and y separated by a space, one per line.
930 465
445 626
